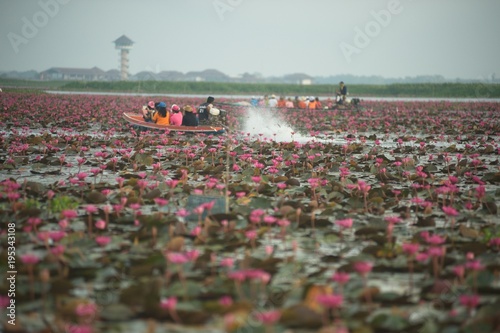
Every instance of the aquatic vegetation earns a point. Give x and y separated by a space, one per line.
380 219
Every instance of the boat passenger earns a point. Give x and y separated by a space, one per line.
161 117
189 118
176 117
254 101
215 117
312 104
282 102
264 103
341 93
318 103
301 103
273 102
148 111
204 111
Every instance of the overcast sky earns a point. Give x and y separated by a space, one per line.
391 38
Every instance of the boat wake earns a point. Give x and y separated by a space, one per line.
266 123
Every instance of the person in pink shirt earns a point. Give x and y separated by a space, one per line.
176 117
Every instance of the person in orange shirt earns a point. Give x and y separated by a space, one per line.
282 102
319 106
301 103
161 117
312 104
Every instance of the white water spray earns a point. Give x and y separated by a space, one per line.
266 123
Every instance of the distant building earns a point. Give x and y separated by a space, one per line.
145 76
208 75
113 75
171 76
298 78
74 74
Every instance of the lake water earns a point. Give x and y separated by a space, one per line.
248 97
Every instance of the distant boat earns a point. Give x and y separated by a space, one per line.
137 119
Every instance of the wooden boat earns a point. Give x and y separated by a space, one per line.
136 119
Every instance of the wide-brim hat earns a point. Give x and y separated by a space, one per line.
187 108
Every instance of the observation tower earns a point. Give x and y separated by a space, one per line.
124 44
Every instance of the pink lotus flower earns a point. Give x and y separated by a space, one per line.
269 219
410 248
341 277
474 265
239 276
196 231
30 259
192 255
422 256
257 274
4 301
469 301
436 251
199 210
281 186
81 176
182 212
459 271
79 329
50 194
86 309
435 240
393 219
168 303
100 224
363 267
172 183
251 234
177 258
34 221
135 206
450 211
344 224
268 317
43 236
91 209
69 213
103 240
495 242
226 301
227 262
330 300
283 222
363 187
63 223
256 179
209 205
161 201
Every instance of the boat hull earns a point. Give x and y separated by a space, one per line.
136 119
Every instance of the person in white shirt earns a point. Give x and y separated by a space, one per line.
273 102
